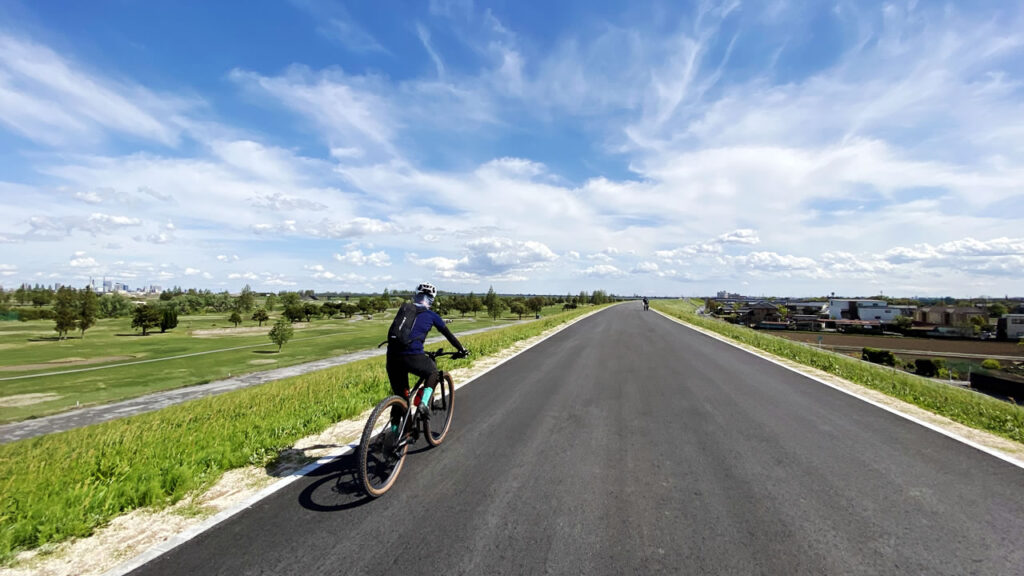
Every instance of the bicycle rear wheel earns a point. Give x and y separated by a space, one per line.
380 457
442 408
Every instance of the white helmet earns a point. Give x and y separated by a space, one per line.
427 288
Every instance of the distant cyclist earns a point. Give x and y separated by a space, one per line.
647 303
402 361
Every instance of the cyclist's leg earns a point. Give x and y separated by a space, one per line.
398 377
422 366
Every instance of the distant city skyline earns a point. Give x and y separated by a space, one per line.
669 148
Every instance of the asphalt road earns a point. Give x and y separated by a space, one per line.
628 444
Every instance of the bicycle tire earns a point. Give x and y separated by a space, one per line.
379 465
442 410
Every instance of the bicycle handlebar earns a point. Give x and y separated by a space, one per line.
440 352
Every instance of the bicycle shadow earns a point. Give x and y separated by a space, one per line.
338 487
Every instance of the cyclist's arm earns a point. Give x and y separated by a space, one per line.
443 329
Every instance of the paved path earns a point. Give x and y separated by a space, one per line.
628 444
95 414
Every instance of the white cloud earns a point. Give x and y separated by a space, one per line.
645 268
356 257
8 269
83 262
353 228
89 197
192 271
227 258
603 271
52 100
278 202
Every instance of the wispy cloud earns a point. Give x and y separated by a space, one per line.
51 100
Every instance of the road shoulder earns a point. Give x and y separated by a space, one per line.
997 446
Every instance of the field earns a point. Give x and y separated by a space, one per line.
113 362
840 342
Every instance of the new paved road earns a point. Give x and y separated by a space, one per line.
628 444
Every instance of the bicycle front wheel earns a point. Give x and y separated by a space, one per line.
381 454
442 408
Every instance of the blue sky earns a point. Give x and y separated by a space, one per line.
776 147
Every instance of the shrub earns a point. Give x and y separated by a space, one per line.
929 367
878 356
991 364
28 314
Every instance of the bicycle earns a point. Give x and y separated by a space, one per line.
382 449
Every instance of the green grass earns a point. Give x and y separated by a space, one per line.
963 406
67 484
28 343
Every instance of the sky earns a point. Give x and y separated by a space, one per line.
771 147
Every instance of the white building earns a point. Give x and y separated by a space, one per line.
1014 326
879 310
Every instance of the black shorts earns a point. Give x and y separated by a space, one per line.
399 366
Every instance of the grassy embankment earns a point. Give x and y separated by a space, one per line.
963 406
67 484
32 348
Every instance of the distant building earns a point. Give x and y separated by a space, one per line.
949 315
871 310
1012 325
108 285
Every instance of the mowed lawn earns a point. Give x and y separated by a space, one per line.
31 348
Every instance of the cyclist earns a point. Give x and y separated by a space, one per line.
412 360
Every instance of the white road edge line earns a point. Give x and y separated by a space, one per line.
986 449
190 533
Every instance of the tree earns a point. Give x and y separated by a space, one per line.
518 308
246 300
997 310
271 302
442 305
535 304
290 299
490 298
65 311
461 304
260 315
475 305
88 309
294 312
348 309
22 294
114 306
364 305
145 317
235 318
41 296
310 310
168 318
281 332
221 302
903 323
495 305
